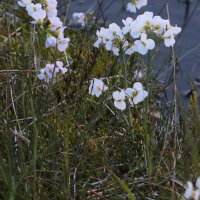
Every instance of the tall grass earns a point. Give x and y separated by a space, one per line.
59 142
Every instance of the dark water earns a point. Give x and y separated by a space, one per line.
184 13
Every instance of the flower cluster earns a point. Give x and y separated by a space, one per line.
136 4
135 94
140 29
46 12
111 37
51 70
191 192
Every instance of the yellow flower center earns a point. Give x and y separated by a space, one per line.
34 9
45 73
99 88
135 93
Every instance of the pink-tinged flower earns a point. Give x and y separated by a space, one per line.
119 98
63 44
60 66
80 18
55 23
39 17
31 8
24 3
136 94
97 87
144 44
50 41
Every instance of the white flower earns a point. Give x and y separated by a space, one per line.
52 3
106 34
113 45
24 3
190 192
131 50
140 3
99 41
159 25
63 44
51 11
168 38
50 41
131 7
39 17
55 23
129 24
96 87
52 69
136 94
119 98
144 44
136 4
60 66
80 18
31 8
44 74
145 20
137 29
115 29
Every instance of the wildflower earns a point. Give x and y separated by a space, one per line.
115 29
129 24
52 3
140 3
131 50
97 87
50 41
119 98
51 11
99 41
137 29
190 192
31 8
63 44
131 7
60 66
145 20
39 17
136 94
159 25
24 3
44 74
103 35
52 70
80 18
144 44
168 38
136 4
55 23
